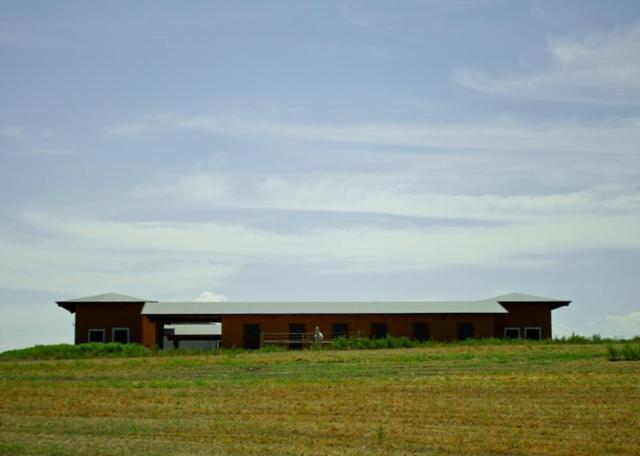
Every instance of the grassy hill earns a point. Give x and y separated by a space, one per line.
443 399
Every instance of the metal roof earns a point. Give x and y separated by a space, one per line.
327 307
521 297
487 306
70 304
106 297
514 298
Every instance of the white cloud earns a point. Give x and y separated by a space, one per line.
210 296
201 188
16 134
398 195
608 136
108 243
602 68
402 193
627 325
67 264
562 330
355 15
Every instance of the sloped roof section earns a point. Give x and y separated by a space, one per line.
521 297
107 297
70 304
319 308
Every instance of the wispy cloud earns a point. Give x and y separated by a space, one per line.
210 296
354 15
606 136
351 194
198 188
29 141
194 246
64 262
627 325
600 68
16 134
394 194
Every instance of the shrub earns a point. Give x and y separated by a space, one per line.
631 352
270 348
340 343
364 343
67 351
626 352
578 339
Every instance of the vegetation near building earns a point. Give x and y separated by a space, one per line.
118 318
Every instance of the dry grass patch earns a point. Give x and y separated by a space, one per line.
445 400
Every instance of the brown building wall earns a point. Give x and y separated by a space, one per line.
148 332
108 316
441 327
523 315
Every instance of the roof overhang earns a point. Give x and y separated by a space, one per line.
105 298
521 298
70 306
557 304
553 304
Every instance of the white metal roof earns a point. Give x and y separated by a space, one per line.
521 297
106 297
517 298
316 308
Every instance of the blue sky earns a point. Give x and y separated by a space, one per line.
319 151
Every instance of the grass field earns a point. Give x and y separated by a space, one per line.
488 399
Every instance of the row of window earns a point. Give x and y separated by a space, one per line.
420 331
120 335
297 331
530 333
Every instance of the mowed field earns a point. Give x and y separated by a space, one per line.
471 400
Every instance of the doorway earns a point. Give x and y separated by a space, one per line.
420 331
251 336
465 331
296 335
378 330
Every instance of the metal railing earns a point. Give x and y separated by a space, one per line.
306 338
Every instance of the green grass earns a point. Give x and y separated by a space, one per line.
66 351
507 399
111 350
624 352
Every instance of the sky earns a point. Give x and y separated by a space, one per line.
319 150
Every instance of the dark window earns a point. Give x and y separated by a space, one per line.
96 335
296 335
511 333
339 330
533 333
465 331
420 331
251 336
378 330
121 335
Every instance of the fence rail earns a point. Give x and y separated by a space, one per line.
306 338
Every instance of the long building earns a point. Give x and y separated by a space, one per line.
114 317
